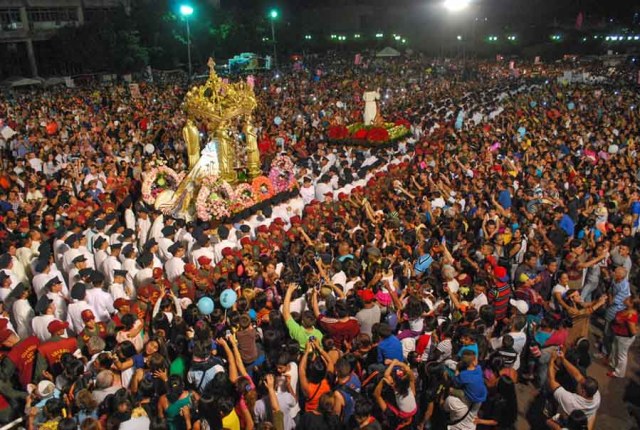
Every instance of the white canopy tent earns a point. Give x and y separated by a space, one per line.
388 52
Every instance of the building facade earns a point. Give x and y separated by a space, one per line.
24 24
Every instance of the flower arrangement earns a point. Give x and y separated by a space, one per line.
361 134
243 198
281 174
338 132
157 180
403 122
213 200
262 188
378 134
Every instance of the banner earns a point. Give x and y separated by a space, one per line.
537 60
357 60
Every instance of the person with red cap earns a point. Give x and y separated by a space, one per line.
94 328
500 292
123 307
370 312
51 351
20 357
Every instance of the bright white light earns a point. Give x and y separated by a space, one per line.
456 5
186 10
459 37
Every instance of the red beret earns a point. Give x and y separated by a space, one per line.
157 273
245 241
190 268
121 302
227 251
203 260
342 196
87 315
278 221
263 229
57 325
295 220
329 194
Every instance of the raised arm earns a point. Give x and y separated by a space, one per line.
233 369
286 313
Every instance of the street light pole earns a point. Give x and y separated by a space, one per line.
189 46
186 11
273 15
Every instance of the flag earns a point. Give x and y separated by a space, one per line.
357 60
579 20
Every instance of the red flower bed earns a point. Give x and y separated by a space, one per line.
378 134
338 132
361 134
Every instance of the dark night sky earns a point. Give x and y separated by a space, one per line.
509 9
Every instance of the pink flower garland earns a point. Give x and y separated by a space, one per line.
220 206
157 180
281 174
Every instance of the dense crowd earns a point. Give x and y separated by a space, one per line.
408 287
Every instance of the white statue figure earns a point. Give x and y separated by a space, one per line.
370 106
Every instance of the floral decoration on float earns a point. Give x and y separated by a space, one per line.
243 198
160 178
262 188
281 174
214 199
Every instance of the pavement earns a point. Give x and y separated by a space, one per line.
620 396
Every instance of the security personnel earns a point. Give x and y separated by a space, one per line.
228 263
18 357
118 289
94 328
50 352
174 267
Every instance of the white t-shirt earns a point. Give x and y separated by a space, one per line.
457 409
569 402
479 301
557 289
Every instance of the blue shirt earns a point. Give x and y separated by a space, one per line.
635 210
567 224
472 383
473 347
504 198
422 265
620 292
390 349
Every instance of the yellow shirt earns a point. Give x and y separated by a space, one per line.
231 421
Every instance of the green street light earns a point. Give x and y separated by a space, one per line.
273 14
186 11
379 35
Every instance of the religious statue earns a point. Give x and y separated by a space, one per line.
370 106
253 154
226 154
191 136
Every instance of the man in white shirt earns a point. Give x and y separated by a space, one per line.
112 263
129 264
223 234
100 247
55 294
21 310
100 301
307 190
45 308
73 242
165 241
74 310
174 267
587 396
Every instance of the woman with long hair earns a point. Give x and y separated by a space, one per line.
176 404
500 412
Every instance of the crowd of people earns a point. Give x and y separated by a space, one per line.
407 287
